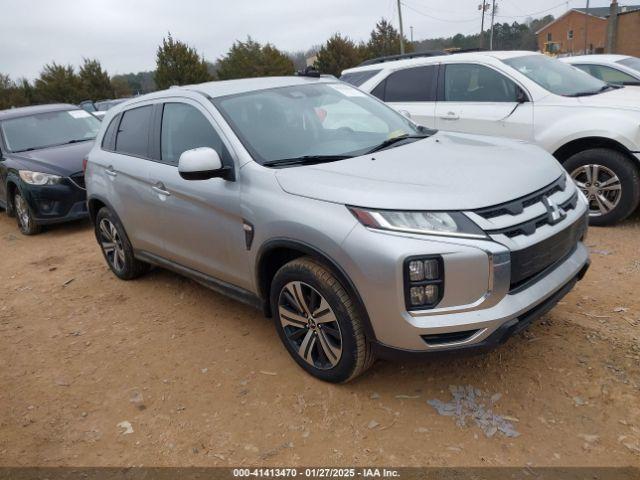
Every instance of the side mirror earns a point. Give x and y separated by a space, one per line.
201 164
405 113
521 96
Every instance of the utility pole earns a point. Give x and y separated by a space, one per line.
411 27
482 7
586 24
401 30
493 14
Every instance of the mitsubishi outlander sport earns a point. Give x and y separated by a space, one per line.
359 232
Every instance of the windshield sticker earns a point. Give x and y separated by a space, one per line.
78 113
346 90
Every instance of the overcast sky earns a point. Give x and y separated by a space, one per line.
124 34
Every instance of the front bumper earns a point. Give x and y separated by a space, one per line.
479 308
50 204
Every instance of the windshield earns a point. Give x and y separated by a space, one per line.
631 62
49 129
325 119
555 76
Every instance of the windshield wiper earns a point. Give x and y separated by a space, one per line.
305 160
390 141
588 93
77 140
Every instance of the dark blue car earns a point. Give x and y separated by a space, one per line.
41 153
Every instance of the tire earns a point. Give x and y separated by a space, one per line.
116 248
619 176
336 349
24 216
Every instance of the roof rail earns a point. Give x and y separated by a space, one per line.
454 50
391 58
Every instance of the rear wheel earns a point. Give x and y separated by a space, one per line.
116 248
24 216
318 322
610 182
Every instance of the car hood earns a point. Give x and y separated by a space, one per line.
443 172
61 160
627 98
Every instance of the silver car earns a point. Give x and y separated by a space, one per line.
362 234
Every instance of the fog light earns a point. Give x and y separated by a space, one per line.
424 282
416 270
417 296
430 293
431 270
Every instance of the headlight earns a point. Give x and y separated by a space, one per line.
37 178
453 224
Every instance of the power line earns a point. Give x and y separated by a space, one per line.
437 18
535 13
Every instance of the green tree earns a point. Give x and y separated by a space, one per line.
179 64
94 81
337 54
251 59
385 40
120 87
58 83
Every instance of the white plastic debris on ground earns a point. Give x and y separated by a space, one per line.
468 405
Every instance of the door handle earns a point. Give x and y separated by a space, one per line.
160 189
450 116
110 171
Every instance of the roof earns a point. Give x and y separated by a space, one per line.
231 87
603 12
35 109
597 12
412 62
606 58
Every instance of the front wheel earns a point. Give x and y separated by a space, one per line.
116 248
318 322
609 180
26 222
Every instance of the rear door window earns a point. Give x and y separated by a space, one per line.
133 134
411 85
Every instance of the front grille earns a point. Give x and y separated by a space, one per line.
78 179
528 263
530 227
516 207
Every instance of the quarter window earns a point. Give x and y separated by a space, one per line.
411 85
133 134
109 135
477 83
185 128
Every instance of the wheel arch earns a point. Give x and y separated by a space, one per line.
275 253
578 145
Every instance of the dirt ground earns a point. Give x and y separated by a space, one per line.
203 380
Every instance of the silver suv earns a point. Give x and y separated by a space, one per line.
361 233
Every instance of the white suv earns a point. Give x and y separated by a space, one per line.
591 127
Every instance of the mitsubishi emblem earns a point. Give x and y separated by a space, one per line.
555 214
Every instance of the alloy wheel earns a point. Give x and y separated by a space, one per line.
310 325
111 244
600 185
22 212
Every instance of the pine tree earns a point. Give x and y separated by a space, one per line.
179 64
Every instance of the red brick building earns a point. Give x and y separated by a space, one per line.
566 34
